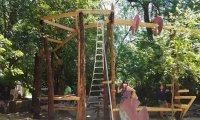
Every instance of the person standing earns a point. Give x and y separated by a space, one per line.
162 98
67 90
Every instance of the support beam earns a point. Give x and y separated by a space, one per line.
65 41
59 26
101 12
37 84
81 112
67 97
49 77
105 86
54 40
130 23
111 29
70 14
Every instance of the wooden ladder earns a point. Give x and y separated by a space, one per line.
95 97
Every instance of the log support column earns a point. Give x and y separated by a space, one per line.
49 76
113 90
81 112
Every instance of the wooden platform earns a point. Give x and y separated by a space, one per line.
57 97
59 107
154 109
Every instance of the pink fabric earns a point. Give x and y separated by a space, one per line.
129 108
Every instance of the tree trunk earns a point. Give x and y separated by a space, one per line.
37 84
145 7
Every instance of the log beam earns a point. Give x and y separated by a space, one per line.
65 41
54 40
111 29
59 26
49 77
81 113
101 12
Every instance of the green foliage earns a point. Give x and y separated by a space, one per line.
9 60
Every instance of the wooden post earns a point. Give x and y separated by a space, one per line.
81 112
105 95
37 84
111 23
49 77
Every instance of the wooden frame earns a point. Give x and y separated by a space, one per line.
79 29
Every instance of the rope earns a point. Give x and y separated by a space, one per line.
112 118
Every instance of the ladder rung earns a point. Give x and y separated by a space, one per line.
99 61
96 91
99 48
94 96
98 73
98 79
99 54
183 91
97 85
106 82
99 41
98 67
94 102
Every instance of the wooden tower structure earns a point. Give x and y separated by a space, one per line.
78 32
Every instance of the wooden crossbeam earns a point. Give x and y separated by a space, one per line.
170 85
54 40
59 26
124 22
184 97
106 82
70 14
181 105
67 97
153 109
130 23
92 25
45 107
183 91
64 42
87 11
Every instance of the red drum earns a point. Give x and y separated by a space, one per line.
159 21
136 22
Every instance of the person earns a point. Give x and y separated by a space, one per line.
162 98
129 103
67 90
126 91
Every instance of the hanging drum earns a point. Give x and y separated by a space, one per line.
159 21
136 22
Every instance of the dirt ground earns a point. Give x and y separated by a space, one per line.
192 114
